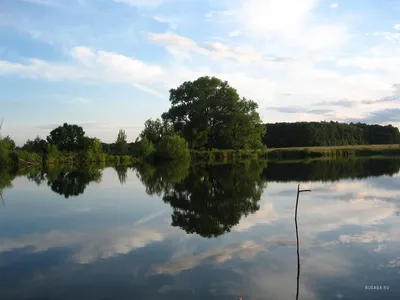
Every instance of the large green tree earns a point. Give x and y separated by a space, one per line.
209 113
67 137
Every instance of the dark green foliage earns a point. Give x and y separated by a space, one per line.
208 114
67 138
210 199
93 152
161 177
146 147
173 148
308 134
25 158
53 154
330 170
377 134
72 181
38 145
155 130
121 144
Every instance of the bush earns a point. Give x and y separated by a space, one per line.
53 154
24 158
173 147
146 147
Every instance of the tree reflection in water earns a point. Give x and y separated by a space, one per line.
122 172
210 199
74 182
67 181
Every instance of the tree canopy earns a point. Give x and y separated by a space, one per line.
208 113
67 138
121 144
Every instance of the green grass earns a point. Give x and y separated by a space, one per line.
333 151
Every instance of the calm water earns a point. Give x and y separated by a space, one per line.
216 232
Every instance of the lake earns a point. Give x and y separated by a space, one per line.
202 232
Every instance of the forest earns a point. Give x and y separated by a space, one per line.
312 134
207 120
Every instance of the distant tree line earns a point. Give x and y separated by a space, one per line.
308 134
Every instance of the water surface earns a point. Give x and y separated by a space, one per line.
204 232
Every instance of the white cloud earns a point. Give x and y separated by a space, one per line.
391 36
334 5
396 26
261 17
100 66
244 249
214 50
141 3
265 215
90 246
366 237
234 33
172 22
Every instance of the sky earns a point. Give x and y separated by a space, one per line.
109 64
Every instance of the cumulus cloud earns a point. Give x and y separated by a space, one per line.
91 65
334 5
214 50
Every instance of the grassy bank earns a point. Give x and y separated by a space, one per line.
333 151
226 155
24 158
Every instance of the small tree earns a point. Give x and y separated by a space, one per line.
155 130
121 144
173 147
146 147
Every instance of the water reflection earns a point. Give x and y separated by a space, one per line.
126 249
207 199
122 172
68 181
330 170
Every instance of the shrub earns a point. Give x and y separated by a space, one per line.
173 147
146 147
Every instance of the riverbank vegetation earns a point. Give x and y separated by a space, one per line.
207 122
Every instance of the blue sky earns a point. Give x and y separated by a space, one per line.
108 64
